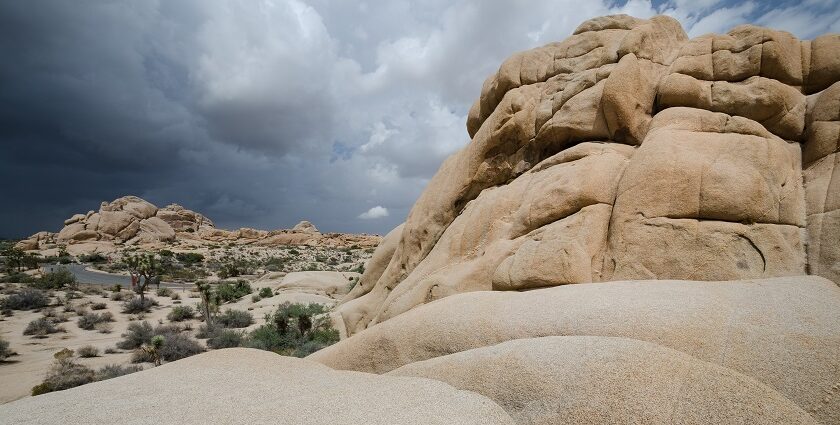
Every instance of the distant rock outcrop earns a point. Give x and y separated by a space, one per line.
134 221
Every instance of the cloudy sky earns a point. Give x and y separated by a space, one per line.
263 113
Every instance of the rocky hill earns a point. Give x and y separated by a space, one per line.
134 221
642 230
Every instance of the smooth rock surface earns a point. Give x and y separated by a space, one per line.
783 332
241 385
605 380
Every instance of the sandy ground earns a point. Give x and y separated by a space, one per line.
21 372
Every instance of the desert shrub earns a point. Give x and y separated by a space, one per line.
61 278
64 374
205 331
274 264
225 338
54 316
136 305
26 299
98 306
90 320
175 296
266 337
94 258
189 258
136 335
103 327
17 277
121 296
180 313
266 292
115 370
165 253
5 352
228 292
235 319
41 327
87 351
255 298
81 310
294 329
178 346
163 292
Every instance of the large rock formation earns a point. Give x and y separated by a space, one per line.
131 220
629 151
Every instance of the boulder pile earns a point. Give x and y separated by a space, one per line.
130 220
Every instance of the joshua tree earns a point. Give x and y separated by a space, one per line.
209 302
144 269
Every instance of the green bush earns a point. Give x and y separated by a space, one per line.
163 292
266 293
25 299
235 319
176 346
59 279
225 338
228 292
135 305
41 327
136 335
89 321
294 329
87 351
180 313
94 258
165 253
189 258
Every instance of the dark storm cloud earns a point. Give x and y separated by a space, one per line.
264 113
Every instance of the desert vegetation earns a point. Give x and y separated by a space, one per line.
110 330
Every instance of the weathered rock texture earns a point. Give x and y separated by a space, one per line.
629 151
586 379
239 385
131 220
781 332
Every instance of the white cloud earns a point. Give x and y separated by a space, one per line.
375 212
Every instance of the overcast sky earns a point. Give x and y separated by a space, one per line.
264 113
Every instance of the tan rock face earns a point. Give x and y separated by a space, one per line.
628 151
